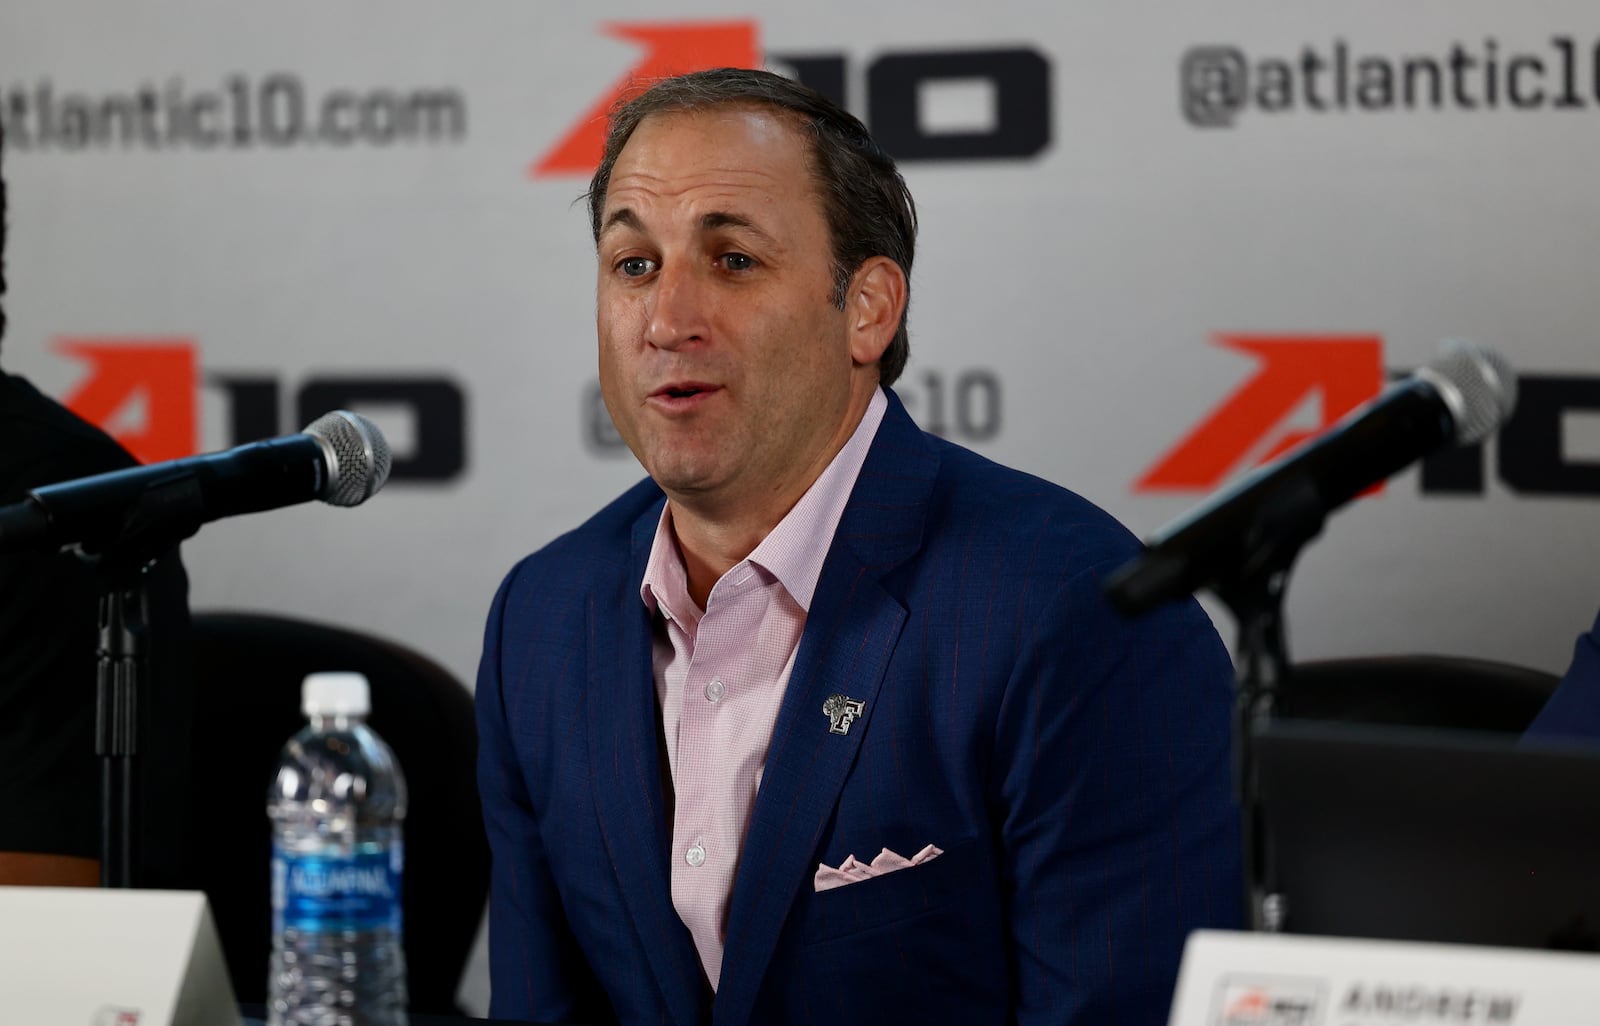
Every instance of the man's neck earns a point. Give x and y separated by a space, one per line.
712 548
714 535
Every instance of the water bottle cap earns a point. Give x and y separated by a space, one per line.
335 694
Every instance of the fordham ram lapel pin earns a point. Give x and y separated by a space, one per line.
841 711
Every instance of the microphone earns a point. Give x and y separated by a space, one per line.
341 459
1458 399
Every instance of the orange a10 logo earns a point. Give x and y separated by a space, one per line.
1337 373
1015 82
156 377
145 393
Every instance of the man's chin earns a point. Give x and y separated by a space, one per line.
685 478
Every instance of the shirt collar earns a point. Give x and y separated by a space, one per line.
792 552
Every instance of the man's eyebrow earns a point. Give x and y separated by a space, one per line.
718 219
622 217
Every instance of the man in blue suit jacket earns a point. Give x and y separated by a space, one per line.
959 680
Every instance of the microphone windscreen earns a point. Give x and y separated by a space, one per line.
1477 384
358 457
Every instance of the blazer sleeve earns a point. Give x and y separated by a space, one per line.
1574 709
536 970
1119 829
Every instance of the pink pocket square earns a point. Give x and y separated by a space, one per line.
853 871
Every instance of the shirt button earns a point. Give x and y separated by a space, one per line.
695 856
715 690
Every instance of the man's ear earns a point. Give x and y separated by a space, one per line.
875 304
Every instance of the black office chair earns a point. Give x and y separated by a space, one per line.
248 669
1417 690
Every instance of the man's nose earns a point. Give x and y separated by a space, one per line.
678 307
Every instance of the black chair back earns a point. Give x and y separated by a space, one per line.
1418 690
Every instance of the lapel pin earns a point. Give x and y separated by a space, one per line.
841 711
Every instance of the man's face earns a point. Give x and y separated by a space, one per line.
723 361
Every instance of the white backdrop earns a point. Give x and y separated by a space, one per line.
1399 174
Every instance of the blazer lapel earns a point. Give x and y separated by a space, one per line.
629 801
850 634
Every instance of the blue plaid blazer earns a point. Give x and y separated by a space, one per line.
1073 765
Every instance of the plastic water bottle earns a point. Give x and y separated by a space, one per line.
336 806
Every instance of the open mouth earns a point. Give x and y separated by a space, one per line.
683 390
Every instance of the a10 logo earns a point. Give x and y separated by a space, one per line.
1014 81
162 377
1339 373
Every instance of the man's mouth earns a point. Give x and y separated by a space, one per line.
680 390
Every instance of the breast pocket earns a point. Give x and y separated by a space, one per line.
901 895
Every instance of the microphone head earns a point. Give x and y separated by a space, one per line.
1478 386
358 457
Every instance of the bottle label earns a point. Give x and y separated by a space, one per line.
326 892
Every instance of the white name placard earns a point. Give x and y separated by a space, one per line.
1254 979
78 956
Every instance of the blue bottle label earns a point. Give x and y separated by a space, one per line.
325 893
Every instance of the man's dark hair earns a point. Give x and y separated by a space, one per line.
867 205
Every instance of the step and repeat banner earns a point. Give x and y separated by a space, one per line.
1160 243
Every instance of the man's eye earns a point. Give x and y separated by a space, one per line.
737 262
636 267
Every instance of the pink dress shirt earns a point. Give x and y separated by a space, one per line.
720 676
